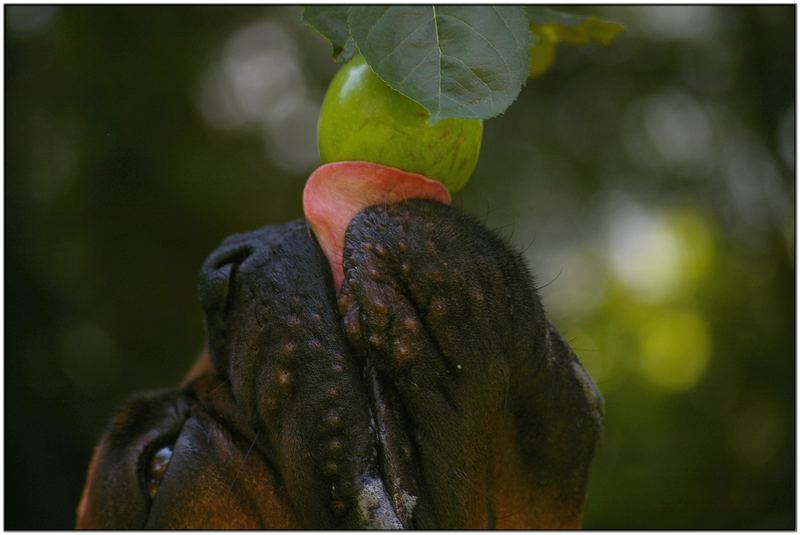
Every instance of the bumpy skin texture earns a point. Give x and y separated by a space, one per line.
449 317
433 393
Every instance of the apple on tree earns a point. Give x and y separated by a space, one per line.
403 118
363 119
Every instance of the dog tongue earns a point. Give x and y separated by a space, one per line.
337 191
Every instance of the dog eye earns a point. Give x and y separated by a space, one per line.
156 468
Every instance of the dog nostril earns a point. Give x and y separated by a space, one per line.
233 257
217 276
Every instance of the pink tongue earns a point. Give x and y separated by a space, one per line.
337 191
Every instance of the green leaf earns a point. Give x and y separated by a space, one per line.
457 61
331 23
572 29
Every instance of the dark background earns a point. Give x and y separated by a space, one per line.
650 184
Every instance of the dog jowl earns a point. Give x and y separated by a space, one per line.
428 391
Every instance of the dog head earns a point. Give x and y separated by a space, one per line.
429 391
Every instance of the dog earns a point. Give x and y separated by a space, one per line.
430 392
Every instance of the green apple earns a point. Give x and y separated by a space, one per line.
363 119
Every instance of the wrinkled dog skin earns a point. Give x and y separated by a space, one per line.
432 393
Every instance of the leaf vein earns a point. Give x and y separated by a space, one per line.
491 45
462 106
520 46
471 72
415 67
423 25
439 48
491 96
374 24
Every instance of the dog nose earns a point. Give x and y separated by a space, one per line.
216 291
217 276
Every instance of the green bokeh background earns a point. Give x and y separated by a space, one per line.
650 184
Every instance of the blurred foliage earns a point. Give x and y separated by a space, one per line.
650 184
